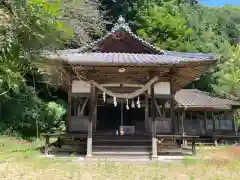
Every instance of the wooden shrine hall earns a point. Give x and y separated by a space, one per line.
116 87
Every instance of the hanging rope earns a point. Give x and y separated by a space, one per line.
119 95
125 95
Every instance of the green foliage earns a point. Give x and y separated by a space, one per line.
25 22
165 27
182 27
228 76
25 114
27 28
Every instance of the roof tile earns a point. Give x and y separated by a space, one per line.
74 57
194 98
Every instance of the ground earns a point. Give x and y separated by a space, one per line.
21 160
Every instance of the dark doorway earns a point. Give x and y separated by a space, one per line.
134 117
109 117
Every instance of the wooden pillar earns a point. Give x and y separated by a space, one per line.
121 112
214 130
178 121
95 111
90 122
205 123
174 127
234 123
68 124
193 147
182 121
214 122
183 131
146 111
153 113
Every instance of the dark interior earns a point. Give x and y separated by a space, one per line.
109 117
133 115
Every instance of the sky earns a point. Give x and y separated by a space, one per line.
220 2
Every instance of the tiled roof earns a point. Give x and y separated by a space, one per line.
120 25
73 56
193 98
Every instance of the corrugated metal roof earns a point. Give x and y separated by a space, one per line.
194 98
75 57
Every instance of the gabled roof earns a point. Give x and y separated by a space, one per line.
87 56
194 98
120 26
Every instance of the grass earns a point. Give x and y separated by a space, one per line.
21 160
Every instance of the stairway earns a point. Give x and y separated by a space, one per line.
127 147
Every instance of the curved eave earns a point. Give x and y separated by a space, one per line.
127 59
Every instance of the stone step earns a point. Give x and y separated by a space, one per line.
122 143
122 138
122 148
121 155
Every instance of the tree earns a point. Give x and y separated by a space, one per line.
228 76
27 28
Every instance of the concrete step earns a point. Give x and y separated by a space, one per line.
122 143
121 138
121 155
122 148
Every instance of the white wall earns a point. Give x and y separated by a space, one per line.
80 87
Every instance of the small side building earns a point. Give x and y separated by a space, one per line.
203 115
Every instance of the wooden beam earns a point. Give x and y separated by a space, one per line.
157 107
83 107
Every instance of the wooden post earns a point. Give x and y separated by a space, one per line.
174 127
182 121
214 121
183 133
95 111
205 122
46 145
214 130
234 123
121 112
193 147
177 120
146 111
153 113
68 124
90 123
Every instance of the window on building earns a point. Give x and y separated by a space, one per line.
209 122
222 121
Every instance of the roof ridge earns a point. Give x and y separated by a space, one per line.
121 23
